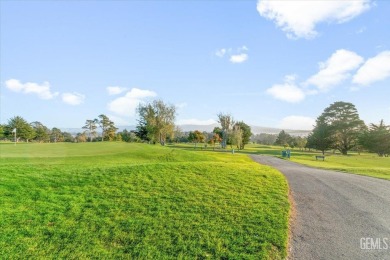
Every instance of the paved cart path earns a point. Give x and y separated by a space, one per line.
336 213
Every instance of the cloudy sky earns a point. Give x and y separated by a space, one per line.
268 63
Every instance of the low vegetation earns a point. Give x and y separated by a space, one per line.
120 200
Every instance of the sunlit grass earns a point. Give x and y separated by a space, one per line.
368 164
118 200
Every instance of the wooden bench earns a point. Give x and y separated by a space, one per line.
320 157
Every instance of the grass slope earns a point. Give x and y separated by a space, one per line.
118 200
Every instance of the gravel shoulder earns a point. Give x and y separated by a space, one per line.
336 214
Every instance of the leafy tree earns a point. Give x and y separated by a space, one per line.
283 139
263 138
67 137
141 131
56 135
110 133
129 136
90 126
216 138
235 136
108 127
196 137
300 142
377 139
118 137
81 137
321 136
42 133
23 128
178 135
156 121
344 124
2 131
227 122
246 133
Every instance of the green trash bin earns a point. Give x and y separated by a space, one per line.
284 154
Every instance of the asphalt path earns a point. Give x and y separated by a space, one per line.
336 215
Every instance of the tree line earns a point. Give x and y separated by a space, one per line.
156 124
340 128
38 132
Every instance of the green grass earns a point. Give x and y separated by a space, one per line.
119 200
367 164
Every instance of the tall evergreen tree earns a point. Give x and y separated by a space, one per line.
321 136
283 139
377 139
23 129
344 124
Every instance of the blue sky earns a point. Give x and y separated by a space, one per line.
268 63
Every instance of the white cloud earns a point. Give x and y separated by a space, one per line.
238 55
288 91
194 121
297 123
374 69
298 18
73 99
336 69
42 91
127 104
239 58
115 90
221 52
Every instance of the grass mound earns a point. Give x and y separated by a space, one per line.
139 201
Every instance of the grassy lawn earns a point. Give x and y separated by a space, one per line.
364 164
119 200
367 164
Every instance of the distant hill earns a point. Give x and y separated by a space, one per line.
207 128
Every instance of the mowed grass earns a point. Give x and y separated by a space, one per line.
119 200
367 164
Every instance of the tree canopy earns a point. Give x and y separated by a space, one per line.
377 139
156 121
343 125
23 129
338 127
321 136
246 133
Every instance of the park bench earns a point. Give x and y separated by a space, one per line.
320 157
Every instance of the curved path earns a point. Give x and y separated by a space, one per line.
336 214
